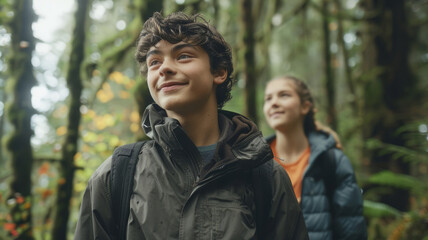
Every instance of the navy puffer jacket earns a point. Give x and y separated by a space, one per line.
345 220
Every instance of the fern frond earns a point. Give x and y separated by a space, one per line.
377 209
402 181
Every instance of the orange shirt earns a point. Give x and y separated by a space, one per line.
295 170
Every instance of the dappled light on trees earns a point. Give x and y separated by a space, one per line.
70 145
365 62
19 221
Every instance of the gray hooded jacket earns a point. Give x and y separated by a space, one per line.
174 198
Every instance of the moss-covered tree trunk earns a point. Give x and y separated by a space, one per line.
69 147
142 95
19 113
264 39
249 65
2 124
329 82
348 71
389 89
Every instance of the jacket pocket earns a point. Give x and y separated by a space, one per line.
224 220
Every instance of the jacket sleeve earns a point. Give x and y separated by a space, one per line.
95 217
348 220
285 217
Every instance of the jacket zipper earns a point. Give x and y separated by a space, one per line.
214 177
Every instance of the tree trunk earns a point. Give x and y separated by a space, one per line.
330 86
69 147
2 124
264 39
249 65
389 89
142 95
348 72
19 113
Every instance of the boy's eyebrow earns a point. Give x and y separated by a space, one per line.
152 52
174 49
182 45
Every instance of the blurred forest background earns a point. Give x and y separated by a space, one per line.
70 92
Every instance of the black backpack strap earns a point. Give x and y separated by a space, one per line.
328 168
123 165
262 178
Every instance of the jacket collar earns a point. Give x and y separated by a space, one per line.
240 139
319 142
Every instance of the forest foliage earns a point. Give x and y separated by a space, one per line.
70 97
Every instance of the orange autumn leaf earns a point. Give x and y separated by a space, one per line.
23 226
46 194
44 168
14 233
9 226
20 199
61 181
27 205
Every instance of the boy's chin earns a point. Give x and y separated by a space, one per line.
176 108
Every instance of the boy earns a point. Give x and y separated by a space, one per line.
191 180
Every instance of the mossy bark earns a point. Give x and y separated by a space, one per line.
69 147
248 57
2 124
142 95
329 81
348 71
19 113
389 87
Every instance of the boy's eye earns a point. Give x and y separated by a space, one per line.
153 62
183 56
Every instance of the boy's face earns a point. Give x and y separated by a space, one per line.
180 79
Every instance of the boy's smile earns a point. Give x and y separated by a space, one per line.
179 77
170 86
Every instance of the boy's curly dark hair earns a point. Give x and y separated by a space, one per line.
195 30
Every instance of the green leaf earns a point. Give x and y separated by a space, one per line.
402 181
376 209
397 152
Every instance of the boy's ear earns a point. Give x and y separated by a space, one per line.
220 76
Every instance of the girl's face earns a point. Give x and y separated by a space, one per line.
282 106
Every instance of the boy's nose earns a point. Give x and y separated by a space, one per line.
166 68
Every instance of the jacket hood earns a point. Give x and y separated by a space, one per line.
319 142
240 140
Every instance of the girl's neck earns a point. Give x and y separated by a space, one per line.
291 144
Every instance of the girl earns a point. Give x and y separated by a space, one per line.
321 174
